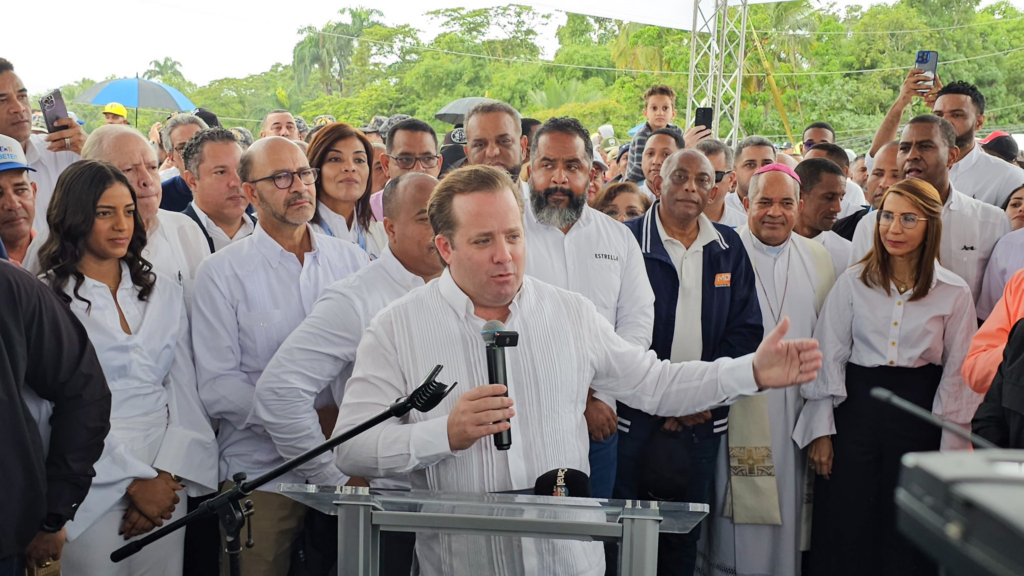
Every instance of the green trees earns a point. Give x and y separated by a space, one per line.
841 66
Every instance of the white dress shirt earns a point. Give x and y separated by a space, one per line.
970 230
646 191
319 354
934 330
1007 259
48 167
985 178
687 343
374 240
219 237
152 380
733 199
565 348
175 249
853 199
733 217
248 299
600 259
838 249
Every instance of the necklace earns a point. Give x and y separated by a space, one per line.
901 285
785 289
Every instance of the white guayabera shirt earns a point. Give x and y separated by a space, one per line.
565 348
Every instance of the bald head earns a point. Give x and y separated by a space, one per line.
252 166
783 158
399 192
692 157
107 142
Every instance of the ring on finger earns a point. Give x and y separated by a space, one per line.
67 142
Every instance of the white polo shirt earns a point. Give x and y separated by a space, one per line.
600 259
687 338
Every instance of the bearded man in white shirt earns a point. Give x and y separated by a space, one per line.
577 248
565 348
174 244
249 296
47 154
970 228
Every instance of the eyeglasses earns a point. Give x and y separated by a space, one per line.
720 175
908 220
284 180
407 162
809 144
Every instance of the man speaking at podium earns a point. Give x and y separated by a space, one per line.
565 348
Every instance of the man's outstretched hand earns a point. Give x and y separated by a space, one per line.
779 363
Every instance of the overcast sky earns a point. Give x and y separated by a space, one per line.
63 41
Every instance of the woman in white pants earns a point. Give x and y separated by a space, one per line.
161 446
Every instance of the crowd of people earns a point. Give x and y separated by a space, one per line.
701 321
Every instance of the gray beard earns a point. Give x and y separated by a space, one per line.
554 216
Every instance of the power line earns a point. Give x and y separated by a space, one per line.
879 32
958 60
663 72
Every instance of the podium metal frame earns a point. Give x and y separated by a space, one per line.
361 520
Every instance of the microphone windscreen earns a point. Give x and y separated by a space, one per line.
563 482
490 327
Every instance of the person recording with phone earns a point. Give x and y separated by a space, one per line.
975 173
565 348
48 154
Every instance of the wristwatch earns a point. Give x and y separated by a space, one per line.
53 523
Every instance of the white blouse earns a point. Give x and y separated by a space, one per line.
869 328
149 372
373 240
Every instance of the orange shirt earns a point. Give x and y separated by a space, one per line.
986 352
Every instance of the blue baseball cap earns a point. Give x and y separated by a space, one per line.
12 156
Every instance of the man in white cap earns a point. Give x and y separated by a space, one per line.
115 113
47 154
17 200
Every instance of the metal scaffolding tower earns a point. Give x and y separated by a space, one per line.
716 64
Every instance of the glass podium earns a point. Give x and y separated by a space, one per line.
363 513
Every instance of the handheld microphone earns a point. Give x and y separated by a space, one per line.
563 482
889 398
497 339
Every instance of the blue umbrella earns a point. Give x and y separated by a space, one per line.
632 131
136 93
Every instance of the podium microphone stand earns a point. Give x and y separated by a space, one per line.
228 506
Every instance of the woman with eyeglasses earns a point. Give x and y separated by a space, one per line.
622 201
896 320
160 445
344 158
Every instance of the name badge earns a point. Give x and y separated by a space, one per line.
723 280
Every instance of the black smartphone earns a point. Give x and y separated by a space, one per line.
928 60
704 117
54 109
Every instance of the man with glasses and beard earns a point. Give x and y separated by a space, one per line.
577 248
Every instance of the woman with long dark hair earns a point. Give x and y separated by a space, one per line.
900 321
160 438
344 158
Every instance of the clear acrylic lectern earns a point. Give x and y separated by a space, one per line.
362 513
